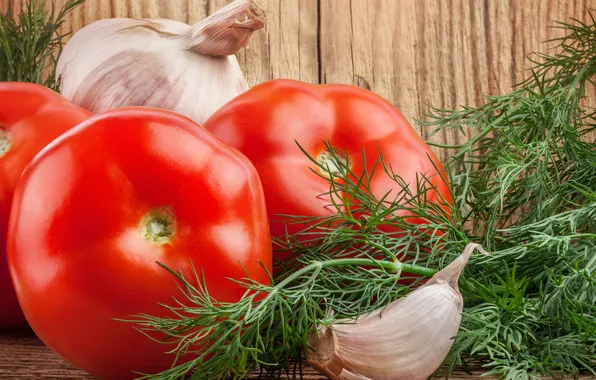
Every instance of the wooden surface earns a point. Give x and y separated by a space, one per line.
22 356
413 52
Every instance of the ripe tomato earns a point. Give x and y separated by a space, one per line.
31 116
266 121
96 210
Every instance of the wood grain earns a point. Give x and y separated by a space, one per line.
23 356
445 53
415 53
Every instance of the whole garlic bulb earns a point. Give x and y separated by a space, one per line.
159 63
407 340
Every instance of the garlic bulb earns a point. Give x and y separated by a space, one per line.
406 340
159 63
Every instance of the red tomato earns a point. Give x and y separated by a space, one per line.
31 116
266 121
96 210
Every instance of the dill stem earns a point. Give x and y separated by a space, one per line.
444 146
395 267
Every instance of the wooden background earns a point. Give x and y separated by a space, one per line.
445 53
413 52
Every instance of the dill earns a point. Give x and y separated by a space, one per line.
30 42
341 267
527 179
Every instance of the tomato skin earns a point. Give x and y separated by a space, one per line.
266 121
33 116
75 252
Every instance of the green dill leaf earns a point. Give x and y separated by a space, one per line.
30 42
526 183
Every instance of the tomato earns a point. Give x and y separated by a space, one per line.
267 121
100 206
31 116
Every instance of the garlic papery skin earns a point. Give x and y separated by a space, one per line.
159 63
407 340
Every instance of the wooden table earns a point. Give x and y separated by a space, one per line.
413 52
23 356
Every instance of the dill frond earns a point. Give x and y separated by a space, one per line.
30 42
527 177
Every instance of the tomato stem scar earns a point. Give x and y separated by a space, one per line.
326 160
5 141
158 225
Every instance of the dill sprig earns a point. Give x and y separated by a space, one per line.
527 180
253 333
341 266
530 148
30 42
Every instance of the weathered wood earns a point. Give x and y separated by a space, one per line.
445 53
23 356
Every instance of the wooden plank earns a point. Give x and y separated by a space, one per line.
446 53
23 356
414 53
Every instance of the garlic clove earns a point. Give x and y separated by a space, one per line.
408 339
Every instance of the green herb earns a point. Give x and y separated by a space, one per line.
30 42
524 187
347 271
528 178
